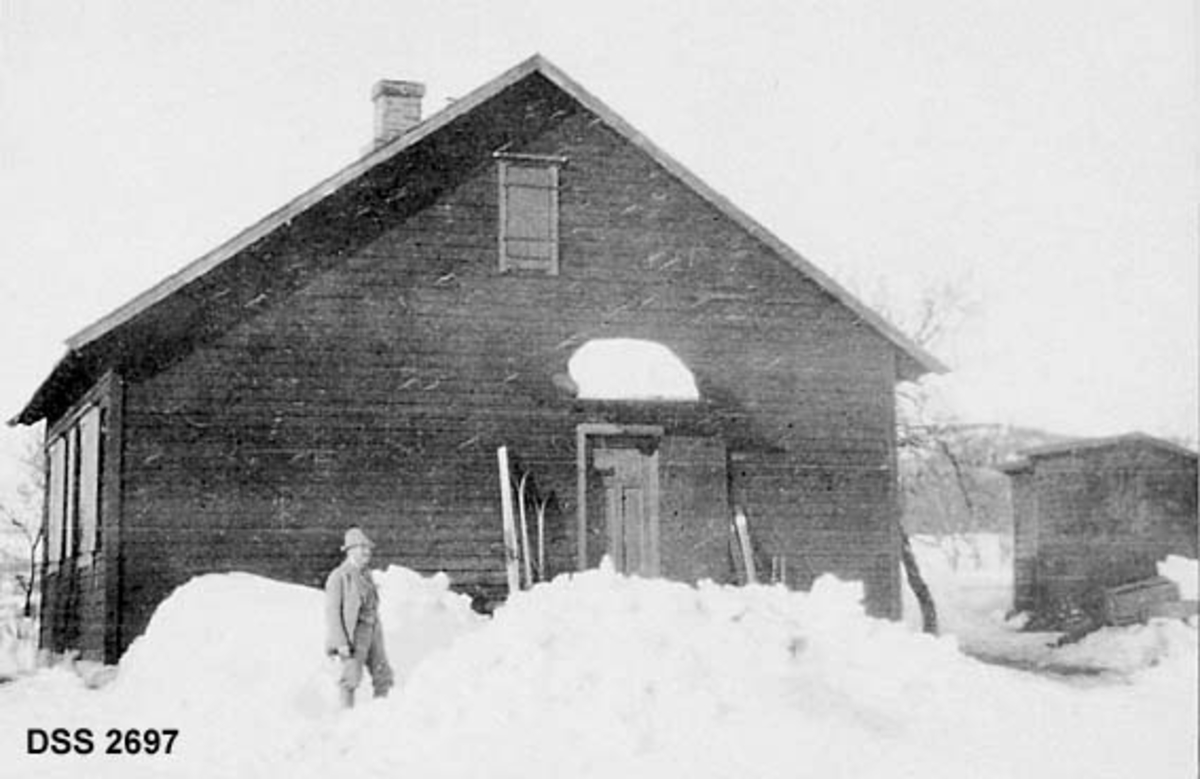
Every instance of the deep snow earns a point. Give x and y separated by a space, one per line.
604 675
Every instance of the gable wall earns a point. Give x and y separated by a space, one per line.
378 393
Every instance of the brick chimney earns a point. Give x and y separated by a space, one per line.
397 108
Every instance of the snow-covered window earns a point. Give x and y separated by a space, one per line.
630 369
529 214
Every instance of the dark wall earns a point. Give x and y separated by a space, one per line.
80 593
694 511
1104 517
378 393
1025 541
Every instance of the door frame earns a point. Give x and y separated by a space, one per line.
596 430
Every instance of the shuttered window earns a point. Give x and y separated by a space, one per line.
529 216
70 529
74 488
90 446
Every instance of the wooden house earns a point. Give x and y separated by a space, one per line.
1097 513
358 356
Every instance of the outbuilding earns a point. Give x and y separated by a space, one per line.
1097 513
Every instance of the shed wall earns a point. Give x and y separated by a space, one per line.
1025 542
1101 518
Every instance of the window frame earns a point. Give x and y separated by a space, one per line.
89 509
551 165
56 498
71 521
65 514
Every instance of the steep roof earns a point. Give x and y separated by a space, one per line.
109 339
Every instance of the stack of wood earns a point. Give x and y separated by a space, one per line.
1143 600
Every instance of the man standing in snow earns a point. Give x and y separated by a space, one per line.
353 630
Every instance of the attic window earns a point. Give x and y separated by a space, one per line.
529 213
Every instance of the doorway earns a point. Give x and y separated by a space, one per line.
627 483
656 505
618 488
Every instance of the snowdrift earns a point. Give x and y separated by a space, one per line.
599 674
605 675
255 643
1185 573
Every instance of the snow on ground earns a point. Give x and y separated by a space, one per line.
974 601
600 674
1185 573
17 650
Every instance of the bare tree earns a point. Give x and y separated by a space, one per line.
952 487
23 514
947 469
925 448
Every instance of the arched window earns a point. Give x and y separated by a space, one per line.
630 369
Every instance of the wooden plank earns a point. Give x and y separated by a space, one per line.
742 529
1133 602
511 553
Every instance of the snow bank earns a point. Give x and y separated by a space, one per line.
974 597
18 645
226 639
603 675
237 637
236 663
600 674
1161 642
970 577
1131 649
1183 571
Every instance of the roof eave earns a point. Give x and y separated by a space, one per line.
1089 444
34 410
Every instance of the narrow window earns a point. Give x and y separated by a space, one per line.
101 448
90 436
56 504
529 215
71 524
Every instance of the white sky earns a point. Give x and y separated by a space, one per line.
1040 156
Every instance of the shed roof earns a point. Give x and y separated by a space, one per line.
98 346
1028 456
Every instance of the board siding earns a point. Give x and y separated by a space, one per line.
79 599
1099 518
377 393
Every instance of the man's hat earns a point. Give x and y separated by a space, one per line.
355 537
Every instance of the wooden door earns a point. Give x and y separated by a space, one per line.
629 486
